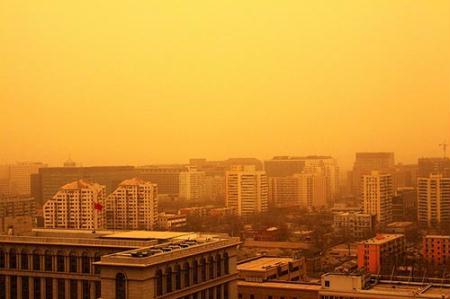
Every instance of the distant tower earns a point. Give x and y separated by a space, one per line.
70 163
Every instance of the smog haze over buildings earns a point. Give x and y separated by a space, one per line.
120 83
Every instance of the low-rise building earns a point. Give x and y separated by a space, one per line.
361 285
265 268
382 250
167 221
354 225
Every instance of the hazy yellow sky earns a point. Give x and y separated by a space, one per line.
135 82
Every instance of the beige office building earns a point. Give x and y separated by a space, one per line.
246 190
74 207
192 184
376 196
133 205
312 191
433 200
47 263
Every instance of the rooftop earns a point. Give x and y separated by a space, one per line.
437 237
400 224
263 263
149 235
382 238
295 286
168 251
134 182
81 184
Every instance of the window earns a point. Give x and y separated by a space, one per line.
203 267
13 287
48 261
73 262
226 267
211 267
60 262
36 261
12 259
2 286
24 260
85 263
218 265
159 283
49 288
327 283
195 272
73 289
86 290
61 289
187 276
121 292
168 280
2 259
177 277
37 288
25 287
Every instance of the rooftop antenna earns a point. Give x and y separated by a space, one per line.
444 145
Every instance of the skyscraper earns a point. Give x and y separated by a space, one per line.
365 163
77 205
192 184
433 200
133 205
428 166
246 190
376 196
312 192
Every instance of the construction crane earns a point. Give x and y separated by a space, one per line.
444 145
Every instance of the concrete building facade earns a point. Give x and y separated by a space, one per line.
77 205
133 205
246 190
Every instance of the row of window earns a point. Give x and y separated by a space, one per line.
73 261
207 269
46 285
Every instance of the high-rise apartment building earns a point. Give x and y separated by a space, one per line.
192 184
285 166
433 200
133 205
428 166
312 192
284 191
367 162
246 190
77 205
47 182
15 179
376 196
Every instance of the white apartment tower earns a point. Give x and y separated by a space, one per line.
376 196
246 190
77 205
192 184
433 200
133 205
312 190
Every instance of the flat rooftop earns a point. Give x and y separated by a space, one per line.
100 238
148 235
167 251
294 286
382 238
263 263
437 237
400 224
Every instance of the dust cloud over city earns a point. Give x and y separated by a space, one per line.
224 149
